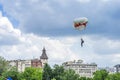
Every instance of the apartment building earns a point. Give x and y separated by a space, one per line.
22 64
83 69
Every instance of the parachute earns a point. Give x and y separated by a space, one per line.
80 23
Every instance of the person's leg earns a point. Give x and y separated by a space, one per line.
81 44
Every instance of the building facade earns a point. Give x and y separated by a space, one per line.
111 70
117 67
44 57
84 70
36 63
22 64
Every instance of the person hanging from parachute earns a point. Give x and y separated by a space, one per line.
82 41
80 24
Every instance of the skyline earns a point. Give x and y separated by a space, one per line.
28 26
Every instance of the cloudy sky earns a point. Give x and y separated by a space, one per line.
26 26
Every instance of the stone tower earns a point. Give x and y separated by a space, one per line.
43 57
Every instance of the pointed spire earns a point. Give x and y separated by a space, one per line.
44 55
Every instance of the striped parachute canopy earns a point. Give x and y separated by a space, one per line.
80 23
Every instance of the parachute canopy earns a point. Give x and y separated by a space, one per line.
80 23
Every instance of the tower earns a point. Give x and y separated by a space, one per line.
43 57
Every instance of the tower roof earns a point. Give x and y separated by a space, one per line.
44 55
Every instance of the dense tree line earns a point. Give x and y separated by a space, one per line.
30 73
47 73
59 73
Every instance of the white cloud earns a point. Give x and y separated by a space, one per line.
6 30
97 49
30 45
44 17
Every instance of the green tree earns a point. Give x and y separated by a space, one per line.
31 73
100 75
89 79
85 78
70 75
3 65
53 79
2 78
115 76
58 71
13 73
47 72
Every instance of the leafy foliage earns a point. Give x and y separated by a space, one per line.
47 72
113 76
31 73
3 65
100 75
13 73
58 72
70 75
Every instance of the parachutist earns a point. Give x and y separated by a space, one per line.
82 41
80 24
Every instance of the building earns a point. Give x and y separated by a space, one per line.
111 70
84 70
117 67
43 57
36 63
22 64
